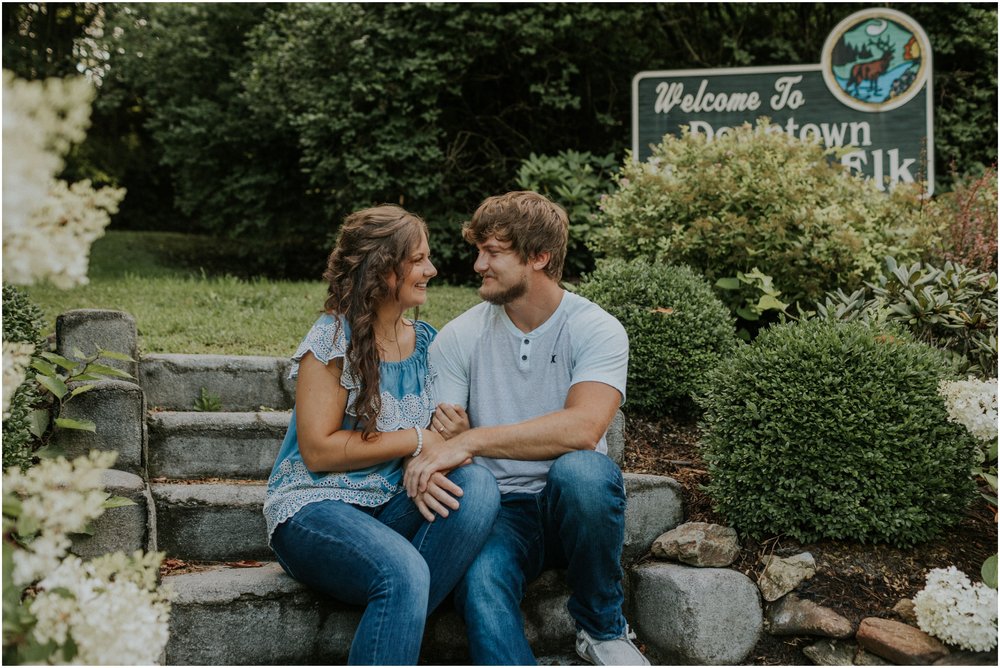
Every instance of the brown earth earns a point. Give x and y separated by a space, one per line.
855 579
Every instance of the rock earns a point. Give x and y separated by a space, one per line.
698 544
792 616
695 615
781 576
831 653
900 643
906 611
965 658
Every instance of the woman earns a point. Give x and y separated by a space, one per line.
336 517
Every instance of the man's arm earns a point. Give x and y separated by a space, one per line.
579 425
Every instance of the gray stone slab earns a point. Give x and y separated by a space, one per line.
118 411
242 383
124 529
189 445
616 438
268 618
655 505
211 521
90 330
692 615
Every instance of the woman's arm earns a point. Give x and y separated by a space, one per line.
320 403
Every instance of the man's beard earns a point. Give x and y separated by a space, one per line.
505 296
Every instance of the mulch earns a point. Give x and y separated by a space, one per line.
857 580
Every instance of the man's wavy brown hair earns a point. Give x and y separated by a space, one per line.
530 222
371 244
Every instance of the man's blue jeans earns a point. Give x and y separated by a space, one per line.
389 559
578 522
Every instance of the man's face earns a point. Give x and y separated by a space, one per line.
505 276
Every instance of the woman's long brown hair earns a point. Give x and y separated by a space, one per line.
371 244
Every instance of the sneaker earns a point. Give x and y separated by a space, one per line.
615 652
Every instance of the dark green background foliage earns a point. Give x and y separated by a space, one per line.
670 350
835 430
22 323
271 121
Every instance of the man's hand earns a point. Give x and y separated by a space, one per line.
437 457
441 495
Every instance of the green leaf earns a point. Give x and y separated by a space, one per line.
86 530
117 502
105 370
112 355
81 389
767 302
989 572
50 451
53 385
42 366
747 314
38 422
11 506
69 423
728 283
67 364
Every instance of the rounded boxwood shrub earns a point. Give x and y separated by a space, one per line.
677 328
22 323
825 429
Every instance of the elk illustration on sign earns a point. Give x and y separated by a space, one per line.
871 70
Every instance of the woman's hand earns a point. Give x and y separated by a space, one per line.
450 420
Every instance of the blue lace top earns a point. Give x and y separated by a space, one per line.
406 403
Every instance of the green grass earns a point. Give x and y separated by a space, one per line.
179 307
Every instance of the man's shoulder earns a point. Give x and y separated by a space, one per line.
584 313
471 320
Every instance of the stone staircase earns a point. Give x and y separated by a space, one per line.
198 479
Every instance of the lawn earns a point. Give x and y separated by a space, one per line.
182 307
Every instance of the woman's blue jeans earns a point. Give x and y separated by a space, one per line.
577 522
389 559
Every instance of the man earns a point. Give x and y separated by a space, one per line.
541 372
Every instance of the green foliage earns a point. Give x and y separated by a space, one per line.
756 198
835 430
208 402
953 308
22 323
576 181
677 329
760 297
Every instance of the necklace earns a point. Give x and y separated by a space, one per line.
387 340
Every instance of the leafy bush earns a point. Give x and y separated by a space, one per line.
677 328
22 323
954 308
576 181
965 221
835 430
757 198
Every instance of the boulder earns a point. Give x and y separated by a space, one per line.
782 575
900 643
696 615
698 544
792 616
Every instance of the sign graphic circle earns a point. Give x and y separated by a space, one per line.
876 60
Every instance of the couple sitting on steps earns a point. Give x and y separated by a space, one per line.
494 428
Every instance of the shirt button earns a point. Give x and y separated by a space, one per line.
524 357
527 341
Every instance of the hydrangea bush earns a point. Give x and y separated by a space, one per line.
957 612
57 608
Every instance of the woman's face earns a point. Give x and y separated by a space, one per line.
417 271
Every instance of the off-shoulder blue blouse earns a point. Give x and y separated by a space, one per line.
406 403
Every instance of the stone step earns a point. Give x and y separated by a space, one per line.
174 382
188 445
268 618
223 521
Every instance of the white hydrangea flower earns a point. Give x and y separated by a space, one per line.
955 611
16 360
111 616
972 403
48 226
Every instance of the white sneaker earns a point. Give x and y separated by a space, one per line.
614 652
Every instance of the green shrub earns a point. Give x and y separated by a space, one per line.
22 323
954 308
757 198
825 429
576 181
677 328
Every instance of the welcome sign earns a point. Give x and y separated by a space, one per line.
870 93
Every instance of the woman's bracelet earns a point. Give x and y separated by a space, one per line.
420 441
